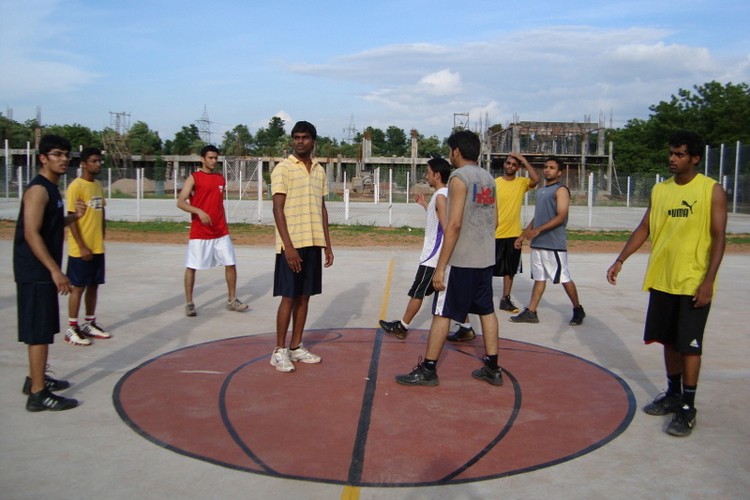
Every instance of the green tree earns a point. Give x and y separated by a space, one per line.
431 146
378 141
238 141
186 141
17 134
142 140
78 135
720 113
272 140
396 143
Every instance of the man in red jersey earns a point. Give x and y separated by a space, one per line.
202 196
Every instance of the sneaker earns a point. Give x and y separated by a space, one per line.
74 336
664 404
94 330
280 359
463 334
190 309
507 305
494 377
420 375
527 316
683 422
395 328
50 384
45 400
302 355
578 315
236 305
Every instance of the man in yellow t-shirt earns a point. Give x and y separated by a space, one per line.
510 192
686 221
86 250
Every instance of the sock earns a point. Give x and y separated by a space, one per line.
688 395
465 325
674 384
73 322
90 319
405 325
491 362
430 364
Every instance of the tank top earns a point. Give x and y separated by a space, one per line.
433 232
680 229
208 195
26 267
475 247
546 209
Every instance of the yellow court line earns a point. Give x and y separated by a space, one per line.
352 492
387 290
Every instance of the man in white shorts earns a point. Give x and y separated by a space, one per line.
210 245
547 233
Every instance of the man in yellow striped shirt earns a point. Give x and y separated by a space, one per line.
299 188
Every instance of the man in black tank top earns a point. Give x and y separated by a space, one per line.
37 259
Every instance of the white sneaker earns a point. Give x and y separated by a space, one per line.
74 336
92 329
280 359
302 355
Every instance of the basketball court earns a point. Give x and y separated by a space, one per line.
190 408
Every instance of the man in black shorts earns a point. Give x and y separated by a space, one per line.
37 257
686 220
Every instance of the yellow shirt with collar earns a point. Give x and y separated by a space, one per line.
303 207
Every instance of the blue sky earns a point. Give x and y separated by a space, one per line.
413 64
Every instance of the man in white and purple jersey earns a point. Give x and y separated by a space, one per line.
438 171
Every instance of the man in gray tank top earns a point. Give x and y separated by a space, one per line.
549 255
463 275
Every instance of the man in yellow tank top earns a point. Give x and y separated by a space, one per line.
686 221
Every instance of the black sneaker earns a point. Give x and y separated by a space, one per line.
683 422
49 384
463 334
45 400
664 404
578 315
494 377
507 305
420 375
394 328
526 316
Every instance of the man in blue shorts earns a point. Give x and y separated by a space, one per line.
463 275
86 250
438 171
37 260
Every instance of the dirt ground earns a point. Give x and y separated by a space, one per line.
380 237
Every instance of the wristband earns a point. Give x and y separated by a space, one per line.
622 262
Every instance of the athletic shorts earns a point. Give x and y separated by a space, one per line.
86 272
672 320
307 282
422 285
38 313
205 254
467 290
549 265
507 258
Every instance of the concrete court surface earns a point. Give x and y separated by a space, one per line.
89 452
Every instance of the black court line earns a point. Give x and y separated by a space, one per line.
363 427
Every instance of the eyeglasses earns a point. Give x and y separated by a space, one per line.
59 154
